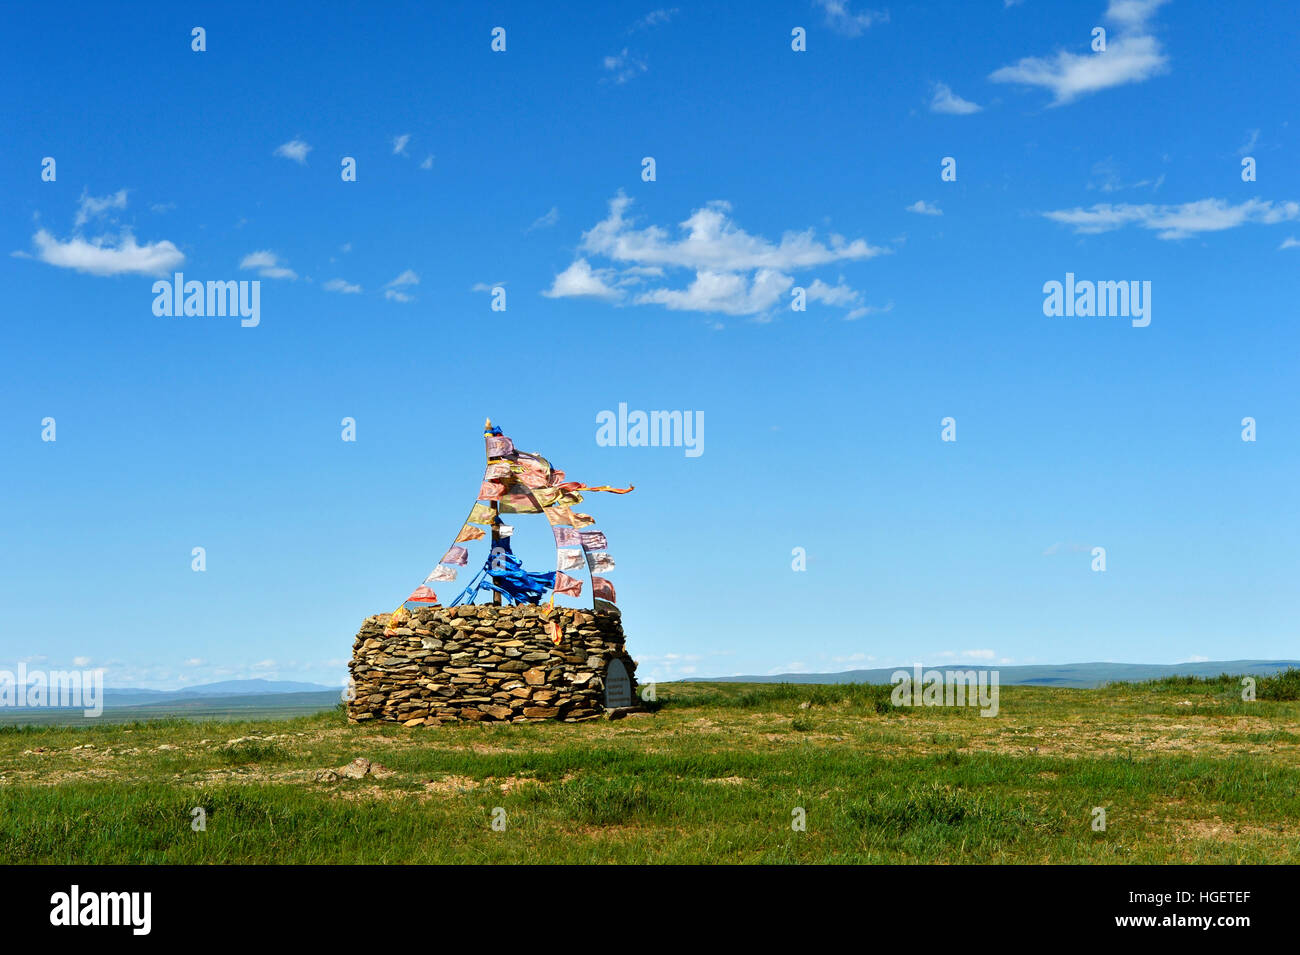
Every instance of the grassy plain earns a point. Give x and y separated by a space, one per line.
1185 770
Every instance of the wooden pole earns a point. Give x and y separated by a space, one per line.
496 522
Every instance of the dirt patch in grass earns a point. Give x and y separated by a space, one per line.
451 785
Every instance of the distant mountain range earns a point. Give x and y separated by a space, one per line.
133 696
1079 675
230 699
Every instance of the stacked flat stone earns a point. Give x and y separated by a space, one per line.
483 662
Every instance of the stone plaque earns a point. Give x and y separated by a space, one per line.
618 685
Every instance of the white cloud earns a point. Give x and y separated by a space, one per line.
1176 221
339 285
1251 142
654 18
712 241
406 278
100 257
796 666
580 280
921 207
393 290
91 207
966 654
946 101
1132 55
486 286
624 66
268 265
839 294
1291 242
427 162
853 658
81 661
546 221
1108 179
735 273
725 292
865 310
843 20
294 149
1132 14
399 144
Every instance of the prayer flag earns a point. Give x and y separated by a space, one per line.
564 584
600 562
593 540
481 514
498 445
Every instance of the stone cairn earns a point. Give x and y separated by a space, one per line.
491 663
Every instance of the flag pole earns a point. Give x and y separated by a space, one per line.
496 522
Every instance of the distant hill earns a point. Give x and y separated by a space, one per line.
1079 675
229 699
245 687
252 706
134 696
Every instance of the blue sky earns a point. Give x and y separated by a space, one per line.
775 169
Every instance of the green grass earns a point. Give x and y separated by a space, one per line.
1186 773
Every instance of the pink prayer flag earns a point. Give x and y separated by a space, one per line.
441 573
490 491
566 537
593 540
422 595
456 555
602 588
564 584
533 479
498 446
